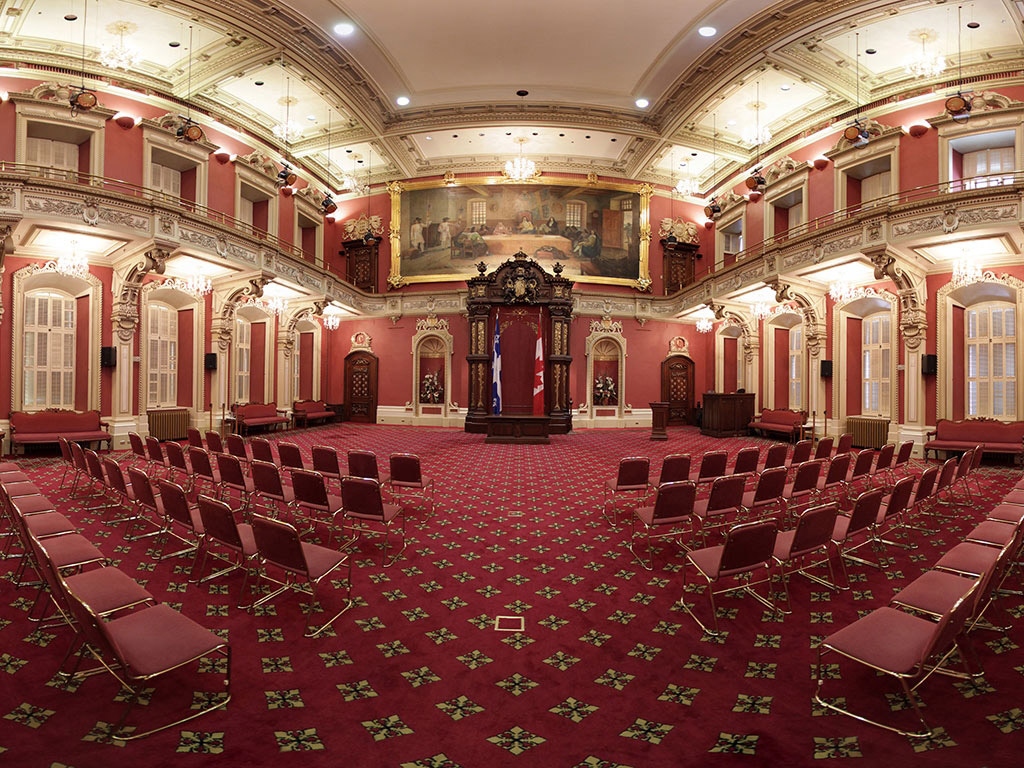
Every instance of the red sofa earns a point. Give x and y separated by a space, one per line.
259 415
788 423
305 411
47 426
996 437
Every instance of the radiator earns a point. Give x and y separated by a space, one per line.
868 432
168 424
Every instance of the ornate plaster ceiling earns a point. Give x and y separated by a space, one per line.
460 63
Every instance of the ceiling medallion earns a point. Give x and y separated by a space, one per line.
196 285
68 264
118 55
520 168
924 64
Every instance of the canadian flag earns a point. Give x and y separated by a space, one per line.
538 377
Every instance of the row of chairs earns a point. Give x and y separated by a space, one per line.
929 620
676 502
406 478
114 619
171 512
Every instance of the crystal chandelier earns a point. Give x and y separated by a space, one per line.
69 264
288 131
755 137
924 64
197 285
520 168
685 187
332 321
119 55
275 305
842 291
763 311
967 272
704 325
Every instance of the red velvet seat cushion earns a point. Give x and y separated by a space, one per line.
52 437
54 523
319 560
1008 513
73 549
934 591
32 505
886 638
159 638
646 515
265 420
107 589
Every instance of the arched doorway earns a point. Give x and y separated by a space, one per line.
361 387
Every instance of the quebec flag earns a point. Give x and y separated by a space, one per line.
496 370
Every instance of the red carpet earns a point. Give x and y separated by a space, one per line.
607 672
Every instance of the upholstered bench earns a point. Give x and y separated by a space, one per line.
259 415
305 411
41 427
788 423
995 437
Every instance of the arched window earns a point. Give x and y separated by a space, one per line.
163 356
991 355
876 364
49 350
796 367
243 358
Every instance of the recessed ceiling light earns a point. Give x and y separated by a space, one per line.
534 133
259 82
311 118
429 138
614 139
344 29
642 103
731 122
348 151
707 31
973 24
693 154
871 51
402 101
586 137
455 135
561 135
174 44
785 87
70 17
682 164
479 134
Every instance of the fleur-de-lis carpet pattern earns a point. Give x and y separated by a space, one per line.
605 670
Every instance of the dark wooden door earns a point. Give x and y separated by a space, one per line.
677 389
361 387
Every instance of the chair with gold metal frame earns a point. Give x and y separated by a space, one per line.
279 545
673 506
812 536
632 479
220 527
407 479
362 504
747 547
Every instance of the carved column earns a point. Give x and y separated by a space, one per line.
560 359
479 363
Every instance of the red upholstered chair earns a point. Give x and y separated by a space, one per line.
203 470
311 497
942 492
363 464
261 450
232 478
903 455
236 447
845 444
69 552
771 484
148 507
221 529
157 460
979 453
859 472
195 438
178 465
139 455
834 481
181 516
860 523
290 455
673 507
775 456
746 461
279 546
747 548
139 647
801 453
905 647
824 448
674 468
362 505
213 442
811 538
81 469
923 493
883 460
267 485
712 465
804 485
407 479
326 462
99 481
123 493
960 479
723 503
632 480
66 457
892 512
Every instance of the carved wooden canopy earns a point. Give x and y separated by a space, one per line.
520 281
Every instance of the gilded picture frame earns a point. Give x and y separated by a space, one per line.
599 231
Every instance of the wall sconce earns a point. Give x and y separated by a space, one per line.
820 163
917 130
222 156
126 121
4 96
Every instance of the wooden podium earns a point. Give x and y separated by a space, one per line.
659 421
727 415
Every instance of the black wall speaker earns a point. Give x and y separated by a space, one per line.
210 361
108 357
930 365
826 369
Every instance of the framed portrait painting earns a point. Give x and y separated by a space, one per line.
599 232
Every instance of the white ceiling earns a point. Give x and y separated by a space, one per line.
460 63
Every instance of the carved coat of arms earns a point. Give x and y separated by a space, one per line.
520 287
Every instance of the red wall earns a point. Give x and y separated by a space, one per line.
257 363
959 363
306 366
729 353
122 154
84 357
186 357
781 367
854 365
